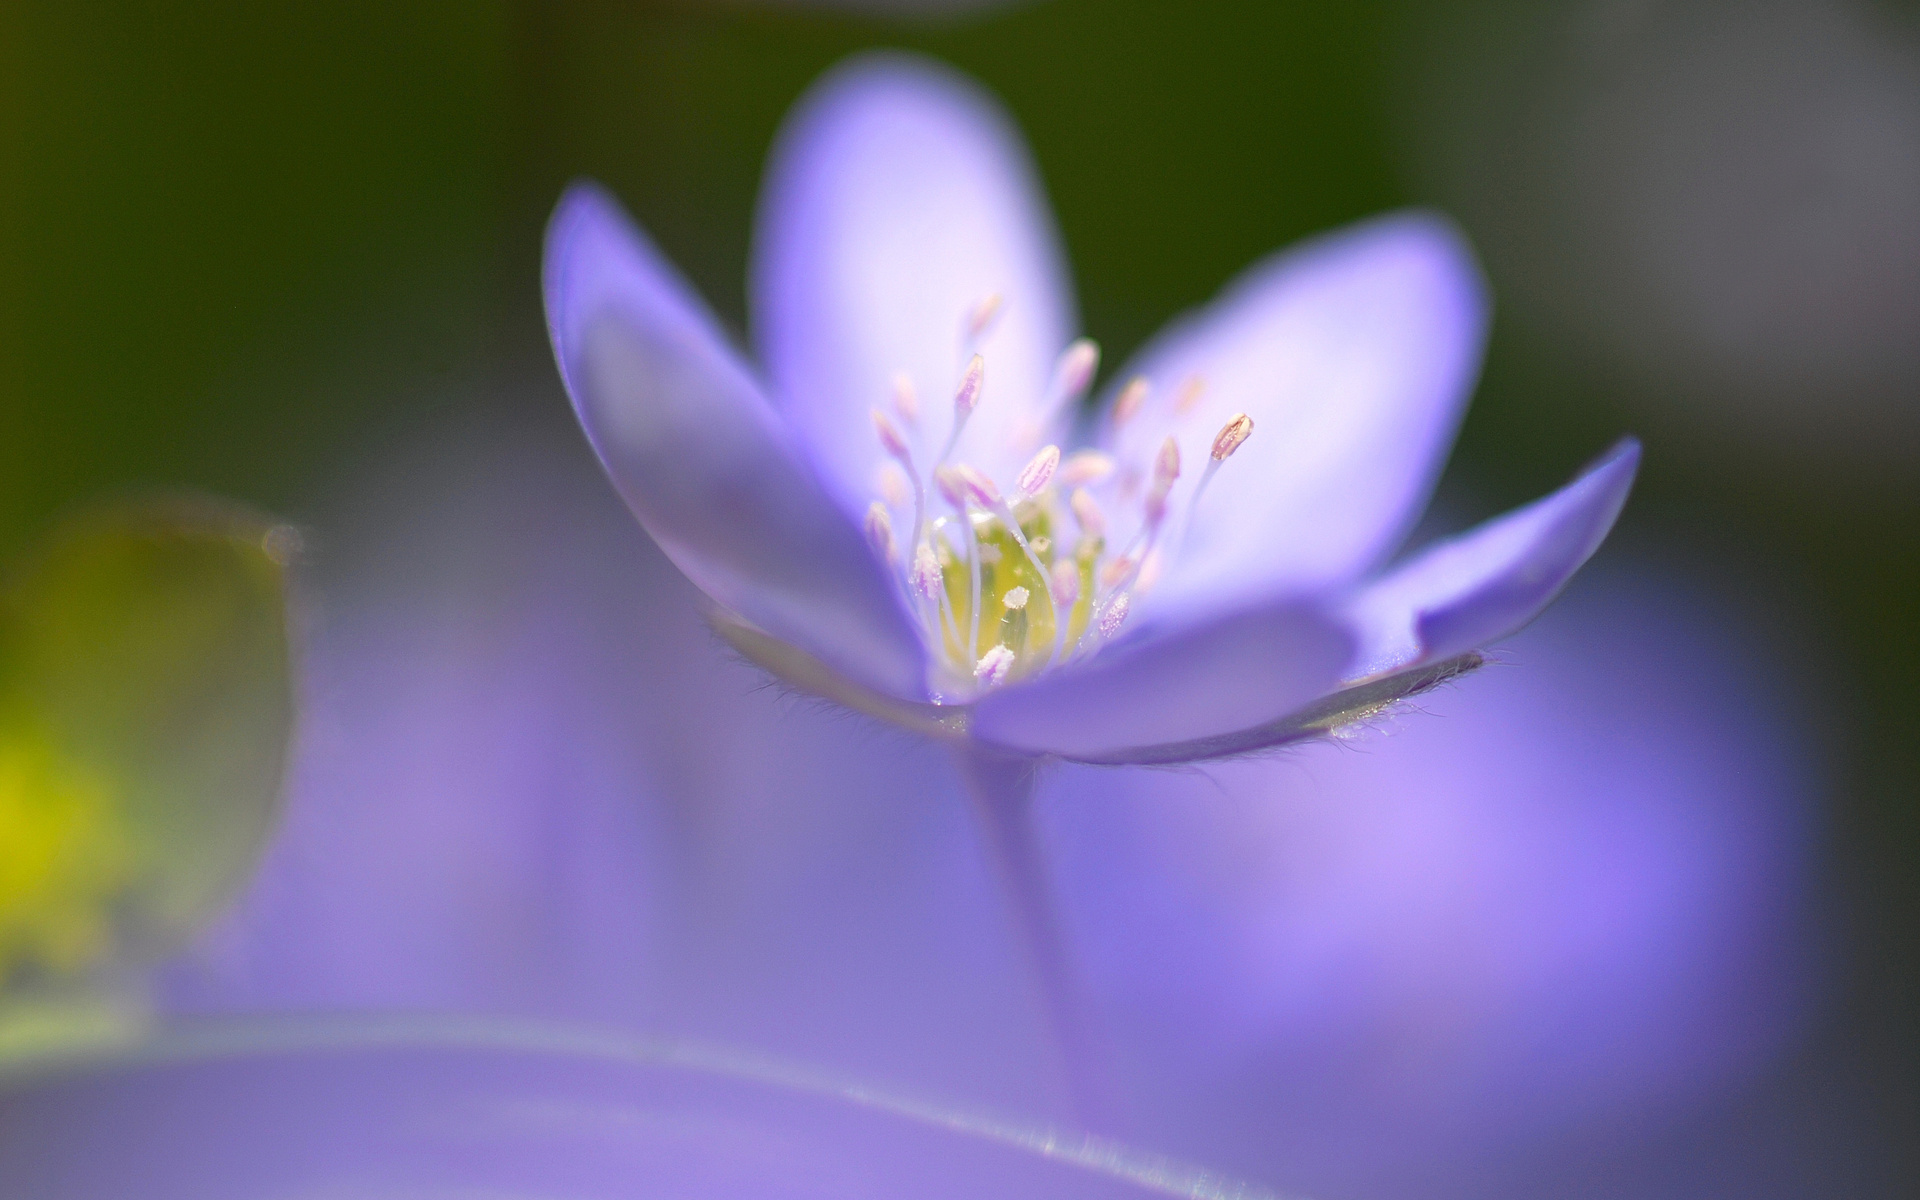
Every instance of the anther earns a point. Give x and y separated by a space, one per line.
1035 476
1074 371
1116 571
1166 469
1189 395
906 401
1086 510
894 486
995 665
1085 466
946 480
1131 399
983 315
967 398
880 530
977 487
925 579
1232 436
1066 583
1015 599
891 439
1116 613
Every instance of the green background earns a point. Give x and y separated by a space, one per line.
241 243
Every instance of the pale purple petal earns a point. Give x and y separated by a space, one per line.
898 198
1233 673
1485 584
1354 355
703 461
530 782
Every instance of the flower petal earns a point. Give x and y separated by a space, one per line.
1354 355
1486 584
706 465
898 198
1235 673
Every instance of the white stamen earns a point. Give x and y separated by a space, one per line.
1166 469
1116 613
1116 571
1066 583
906 401
894 486
1015 599
1232 436
1042 544
891 439
1131 399
1086 510
1035 476
925 579
995 665
1074 371
983 316
1085 466
967 398
978 488
1189 395
880 531
946 480
989 554
1150 568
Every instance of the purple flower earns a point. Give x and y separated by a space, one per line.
899 512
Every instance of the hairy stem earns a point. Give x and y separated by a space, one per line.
1001 787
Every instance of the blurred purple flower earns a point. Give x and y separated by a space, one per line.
1195 582
1571 899
1572 893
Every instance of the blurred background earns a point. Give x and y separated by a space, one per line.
253 249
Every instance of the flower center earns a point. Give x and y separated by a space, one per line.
1008 583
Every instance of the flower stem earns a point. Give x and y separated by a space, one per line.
1001 787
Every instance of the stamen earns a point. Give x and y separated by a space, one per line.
891 439
1086 510
1066 584
994 667
946 480
967 398
894 486
983 316
925 579
1015 599
1035 476
1042 544
880 531
1074 371
964 402
1166 469
1116 571
1150 568
1232 436
1116 613
1085 466
906 401
1189 396
978 488
1131 399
